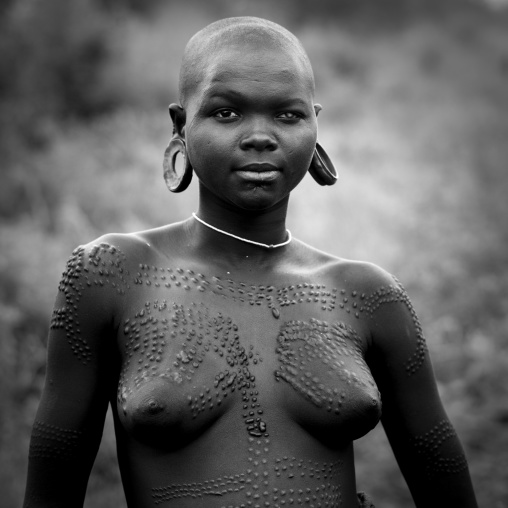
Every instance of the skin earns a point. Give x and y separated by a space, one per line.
309 343
248 113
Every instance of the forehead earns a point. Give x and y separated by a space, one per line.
246 66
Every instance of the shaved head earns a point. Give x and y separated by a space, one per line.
246 33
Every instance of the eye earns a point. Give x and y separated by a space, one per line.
290 116
226 114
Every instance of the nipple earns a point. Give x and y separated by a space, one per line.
148 402
152 407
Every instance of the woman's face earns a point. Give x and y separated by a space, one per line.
251 126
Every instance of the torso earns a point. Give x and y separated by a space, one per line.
240 390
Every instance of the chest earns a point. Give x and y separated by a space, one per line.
194 353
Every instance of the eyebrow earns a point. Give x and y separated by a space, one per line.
228 94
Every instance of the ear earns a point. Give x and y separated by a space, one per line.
317 108
178 116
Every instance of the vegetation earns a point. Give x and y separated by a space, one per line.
415 117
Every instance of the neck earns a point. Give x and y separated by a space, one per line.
266 227
242 239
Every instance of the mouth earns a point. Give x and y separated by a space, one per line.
259 172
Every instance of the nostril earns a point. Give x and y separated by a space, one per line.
259 141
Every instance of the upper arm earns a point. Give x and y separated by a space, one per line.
81 366
423 439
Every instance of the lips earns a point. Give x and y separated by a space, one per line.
259 172
259 167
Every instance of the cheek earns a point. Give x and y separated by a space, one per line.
302 149
205 149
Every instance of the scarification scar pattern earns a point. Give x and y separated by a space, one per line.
147 336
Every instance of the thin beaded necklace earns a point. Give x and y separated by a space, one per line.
265 245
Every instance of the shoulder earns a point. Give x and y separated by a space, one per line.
130 244
114 259
384 305
362 275
128 250
366 275
102 268
96 271
104 256
374 287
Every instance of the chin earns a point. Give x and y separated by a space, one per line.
258 203
260 198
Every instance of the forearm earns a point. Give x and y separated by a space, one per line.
447 492
60 460
435 468
55 484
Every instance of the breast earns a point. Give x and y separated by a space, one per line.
183 369
331 390
163 414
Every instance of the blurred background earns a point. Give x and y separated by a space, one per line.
415 96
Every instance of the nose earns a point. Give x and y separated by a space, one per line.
258 137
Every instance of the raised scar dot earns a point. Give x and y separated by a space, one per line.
394 294
103 267
428 445
52 442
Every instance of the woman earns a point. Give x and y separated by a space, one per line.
240 363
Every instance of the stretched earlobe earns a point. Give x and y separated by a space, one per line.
178 117
174 181
321 167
